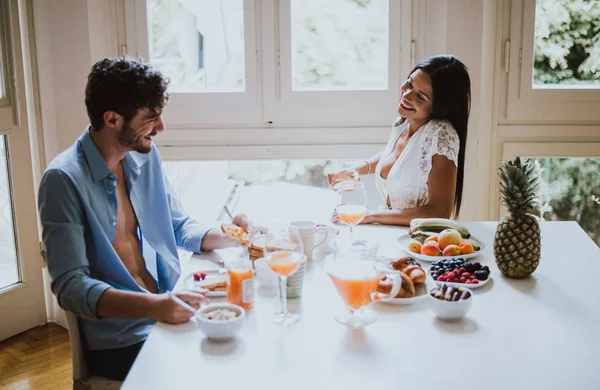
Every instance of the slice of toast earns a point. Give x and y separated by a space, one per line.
236 232
218 283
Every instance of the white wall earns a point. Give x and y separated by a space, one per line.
466 29
64 60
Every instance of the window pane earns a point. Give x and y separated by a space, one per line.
339 45
567 43
9 268
568 187
265 190
198 44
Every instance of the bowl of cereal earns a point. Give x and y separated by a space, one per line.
221 321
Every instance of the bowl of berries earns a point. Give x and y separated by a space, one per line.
459 273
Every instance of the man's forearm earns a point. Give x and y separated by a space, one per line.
215 239
126 304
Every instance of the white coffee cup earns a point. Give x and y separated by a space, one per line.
325 237
308 231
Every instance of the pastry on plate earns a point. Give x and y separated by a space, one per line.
402 263
408 288
416 273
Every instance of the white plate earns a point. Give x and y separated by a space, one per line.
405 239
423 289
469 286
190 284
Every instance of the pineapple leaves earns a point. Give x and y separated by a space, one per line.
518 186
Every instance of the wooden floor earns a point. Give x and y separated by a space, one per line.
37 359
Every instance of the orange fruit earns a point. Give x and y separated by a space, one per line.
466 248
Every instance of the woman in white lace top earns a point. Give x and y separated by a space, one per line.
420 172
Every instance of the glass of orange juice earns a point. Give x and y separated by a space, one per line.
353 207
357 283
284 255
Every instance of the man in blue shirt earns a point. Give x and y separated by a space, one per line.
111 226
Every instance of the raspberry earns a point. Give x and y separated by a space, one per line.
463 279
197 276
465 275
462 270
203 275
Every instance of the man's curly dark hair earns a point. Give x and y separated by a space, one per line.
125 86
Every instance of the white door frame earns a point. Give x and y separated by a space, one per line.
23 304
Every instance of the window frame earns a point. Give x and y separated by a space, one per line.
266 102
541 104
7 110
359 107
203 108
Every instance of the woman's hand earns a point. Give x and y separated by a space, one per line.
341 176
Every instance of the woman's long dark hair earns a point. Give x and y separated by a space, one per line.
451 87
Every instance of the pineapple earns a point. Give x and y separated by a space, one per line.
517 242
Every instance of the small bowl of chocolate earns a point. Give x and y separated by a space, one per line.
450 303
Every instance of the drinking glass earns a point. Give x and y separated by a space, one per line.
350 172
284 255
357 283
353 205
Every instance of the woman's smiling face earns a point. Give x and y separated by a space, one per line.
416 98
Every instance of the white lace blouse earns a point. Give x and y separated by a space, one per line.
406 184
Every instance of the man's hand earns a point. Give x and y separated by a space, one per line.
216 239
165 309
242 221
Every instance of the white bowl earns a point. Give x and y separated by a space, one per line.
450 310
221 330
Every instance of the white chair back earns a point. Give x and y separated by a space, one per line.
81 377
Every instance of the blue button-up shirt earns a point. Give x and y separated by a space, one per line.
78 211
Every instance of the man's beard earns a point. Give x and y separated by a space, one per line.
126 137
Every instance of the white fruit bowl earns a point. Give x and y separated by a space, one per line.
450 310
406 239
221 330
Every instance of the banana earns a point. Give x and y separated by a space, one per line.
437 225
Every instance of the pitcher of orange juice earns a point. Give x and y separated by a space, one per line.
240 287
357 282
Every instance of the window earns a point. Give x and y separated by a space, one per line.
274 63
9 266
553 57
199 45
339 45
567 44
569 181
271 190
568 187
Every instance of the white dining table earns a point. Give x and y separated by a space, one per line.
542 332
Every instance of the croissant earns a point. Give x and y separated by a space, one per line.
415 273
385 285
408 288
402 263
